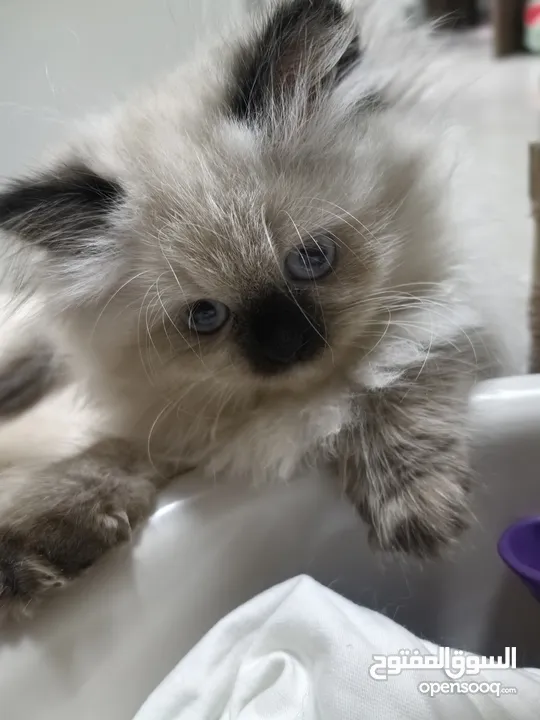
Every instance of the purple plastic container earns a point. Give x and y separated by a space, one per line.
519 547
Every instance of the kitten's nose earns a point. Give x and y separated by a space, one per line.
282 342
281 331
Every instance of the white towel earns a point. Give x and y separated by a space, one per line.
299 651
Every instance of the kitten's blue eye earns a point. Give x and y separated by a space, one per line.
311 261
207 316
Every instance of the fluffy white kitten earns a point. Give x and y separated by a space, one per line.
255 265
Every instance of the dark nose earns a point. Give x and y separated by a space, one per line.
281 331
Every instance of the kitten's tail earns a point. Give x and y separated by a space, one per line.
44 413
30 365
27 375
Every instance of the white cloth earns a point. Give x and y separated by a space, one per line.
299 651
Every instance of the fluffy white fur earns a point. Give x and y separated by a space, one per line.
212 204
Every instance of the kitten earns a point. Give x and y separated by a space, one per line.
252 267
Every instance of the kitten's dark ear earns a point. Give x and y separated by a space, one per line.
61 210
301 48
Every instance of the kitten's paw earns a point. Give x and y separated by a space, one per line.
424 517
47 546
23 577
413 492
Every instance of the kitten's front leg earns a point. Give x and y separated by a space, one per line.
404 458
56 522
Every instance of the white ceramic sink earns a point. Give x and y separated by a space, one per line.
98 649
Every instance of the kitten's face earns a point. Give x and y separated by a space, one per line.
261 267
245 219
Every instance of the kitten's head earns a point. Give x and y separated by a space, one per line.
250 218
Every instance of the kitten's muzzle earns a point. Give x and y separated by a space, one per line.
280 330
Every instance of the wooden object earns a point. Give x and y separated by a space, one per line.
507 18
534 189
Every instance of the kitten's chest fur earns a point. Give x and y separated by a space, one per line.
206 423
216 430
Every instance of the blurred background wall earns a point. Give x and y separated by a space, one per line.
60 59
